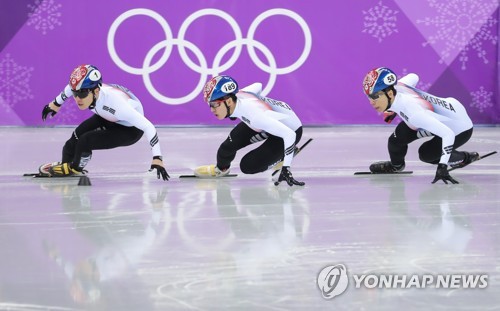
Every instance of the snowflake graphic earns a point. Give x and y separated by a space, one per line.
482 99
457 22
4 106
380 21
14 82
44 15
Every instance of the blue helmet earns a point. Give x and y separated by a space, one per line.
85 77
378 80
219 87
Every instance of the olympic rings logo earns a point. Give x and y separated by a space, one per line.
202 67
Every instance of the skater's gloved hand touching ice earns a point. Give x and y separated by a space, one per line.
442 174
160 169
286 175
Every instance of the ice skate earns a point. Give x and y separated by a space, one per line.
44 168
63 170
468 159
384 167
210 171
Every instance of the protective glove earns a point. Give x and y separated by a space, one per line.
286 175
160 171
442 174
389 116
46 111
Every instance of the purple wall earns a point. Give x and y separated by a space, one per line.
311 54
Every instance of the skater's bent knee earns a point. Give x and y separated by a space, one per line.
248 169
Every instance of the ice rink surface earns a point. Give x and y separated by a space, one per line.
132 242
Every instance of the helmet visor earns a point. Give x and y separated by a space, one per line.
81 93
375 95
216 103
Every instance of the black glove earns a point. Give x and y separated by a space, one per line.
286 175
46 111
442 174
389 116
160 171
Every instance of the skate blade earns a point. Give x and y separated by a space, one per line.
208 177
393 173
480 158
